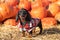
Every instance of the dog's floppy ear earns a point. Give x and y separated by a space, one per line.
17 17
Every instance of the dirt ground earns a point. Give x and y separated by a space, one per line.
12 33
48 34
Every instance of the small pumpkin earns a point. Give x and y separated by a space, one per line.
24 4
57 17
36 4
29 0
58 2
54 8
7 12
49 22
38 13
1 18
2 1
10 22
45 3
13 11
52 1
11 2
4 11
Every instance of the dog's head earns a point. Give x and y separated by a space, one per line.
23 13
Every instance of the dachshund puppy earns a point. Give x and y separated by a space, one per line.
27 24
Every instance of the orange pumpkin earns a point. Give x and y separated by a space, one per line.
57 17
1 18
58 2
29 0
52 1
38 13
11 2
13 11
54 8
45 3
2 1
4 11
36 4
10 22
49 22
24 4
7 12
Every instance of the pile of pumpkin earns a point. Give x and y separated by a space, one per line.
46 10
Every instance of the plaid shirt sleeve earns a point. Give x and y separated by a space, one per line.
35 22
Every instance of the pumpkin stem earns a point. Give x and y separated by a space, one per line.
33 0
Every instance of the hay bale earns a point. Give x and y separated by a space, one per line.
9 33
